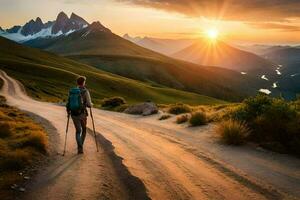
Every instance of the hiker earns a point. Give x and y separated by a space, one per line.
78 101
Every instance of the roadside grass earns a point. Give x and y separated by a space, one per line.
233 132
48 77
21 143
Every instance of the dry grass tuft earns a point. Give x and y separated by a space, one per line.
198 119
233 132
179 108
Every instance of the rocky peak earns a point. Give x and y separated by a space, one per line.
132 39
77 19
62 17
48 24
32 27
1 30
67 25
38 20
98 27
13 29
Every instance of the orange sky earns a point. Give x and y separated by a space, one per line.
258 22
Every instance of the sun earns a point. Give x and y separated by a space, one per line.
212 34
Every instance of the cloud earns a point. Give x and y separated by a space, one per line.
242 10
274 26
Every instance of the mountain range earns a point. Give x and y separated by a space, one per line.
63 25
220 54
164 46
231 75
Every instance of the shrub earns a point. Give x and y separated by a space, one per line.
164 117
233 132
198 119
273 122
5 129
182 119
113 102
177 109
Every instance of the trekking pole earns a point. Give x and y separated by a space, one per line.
94 129
66 134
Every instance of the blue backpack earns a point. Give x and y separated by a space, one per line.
75 101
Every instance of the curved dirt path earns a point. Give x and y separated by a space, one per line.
168 167
88 176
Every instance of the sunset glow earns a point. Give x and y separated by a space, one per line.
212 34
242 21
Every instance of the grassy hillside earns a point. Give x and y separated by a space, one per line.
48 77
111 53
212 81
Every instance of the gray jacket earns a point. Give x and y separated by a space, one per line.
87 101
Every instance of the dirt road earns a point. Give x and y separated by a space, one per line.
162 156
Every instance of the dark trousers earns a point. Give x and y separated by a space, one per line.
80 126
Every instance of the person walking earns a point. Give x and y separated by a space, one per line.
78 101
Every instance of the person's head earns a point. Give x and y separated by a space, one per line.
81 81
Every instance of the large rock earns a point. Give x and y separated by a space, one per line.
147 108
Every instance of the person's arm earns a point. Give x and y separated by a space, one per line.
88 99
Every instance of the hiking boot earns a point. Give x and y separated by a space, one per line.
80 151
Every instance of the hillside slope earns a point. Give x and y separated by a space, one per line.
99 47
221 54
47 76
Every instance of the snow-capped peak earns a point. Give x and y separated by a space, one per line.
63 25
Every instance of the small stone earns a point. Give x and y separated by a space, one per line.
21 174
14 186
21 189
26 177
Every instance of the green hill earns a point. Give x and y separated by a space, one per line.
48 77
103 49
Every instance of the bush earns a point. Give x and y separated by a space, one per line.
233 132
182 119
198 119
274 123
113 102
164 117
177 109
